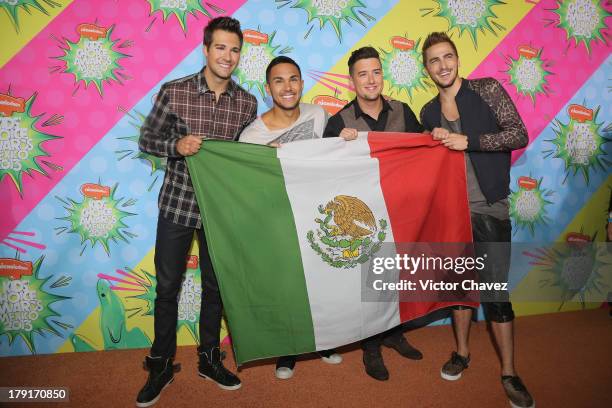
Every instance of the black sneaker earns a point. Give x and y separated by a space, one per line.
284 367
211 368
374 364
517 393
452 369
399 343
161 374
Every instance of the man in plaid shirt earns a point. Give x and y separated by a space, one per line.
205 105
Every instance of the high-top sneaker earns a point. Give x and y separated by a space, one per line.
161 374
212 368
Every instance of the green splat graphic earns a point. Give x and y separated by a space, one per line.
11 8
582 20
332 12
576 270
157 164
93 61
26 306
181 9
580 146
98 221
528 75
468 15
404 70
21 147
528 207
254 59
189 300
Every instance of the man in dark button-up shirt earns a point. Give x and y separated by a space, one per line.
187 111
336 124
369 111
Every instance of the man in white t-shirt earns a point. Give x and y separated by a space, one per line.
288 121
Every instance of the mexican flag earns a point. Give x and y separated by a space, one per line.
289 229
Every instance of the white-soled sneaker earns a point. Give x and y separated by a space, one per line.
284 373
453 368
284 367
330 357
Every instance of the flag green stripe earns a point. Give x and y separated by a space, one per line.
264 295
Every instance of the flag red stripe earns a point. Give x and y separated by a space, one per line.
424 187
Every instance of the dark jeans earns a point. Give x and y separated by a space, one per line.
487 229
171 250
374 342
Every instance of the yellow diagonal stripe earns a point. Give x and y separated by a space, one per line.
29 25
405 19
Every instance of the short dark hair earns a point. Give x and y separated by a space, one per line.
436 38
281 59
224 23
361 53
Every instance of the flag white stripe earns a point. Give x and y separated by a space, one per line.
335 294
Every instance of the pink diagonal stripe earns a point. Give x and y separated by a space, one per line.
325 85
131 276
29 234
29 243
87 116
322 78
112 278
571 66
8 244
343 76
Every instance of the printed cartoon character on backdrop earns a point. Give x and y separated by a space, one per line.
115 333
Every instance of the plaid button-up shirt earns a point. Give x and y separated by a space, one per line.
187 106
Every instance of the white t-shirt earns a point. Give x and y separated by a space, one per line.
310 125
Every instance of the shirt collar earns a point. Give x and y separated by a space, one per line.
203 86
358 112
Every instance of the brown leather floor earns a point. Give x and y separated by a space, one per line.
565 359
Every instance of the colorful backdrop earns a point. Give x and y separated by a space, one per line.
79 201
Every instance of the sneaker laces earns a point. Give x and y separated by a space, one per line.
217 366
